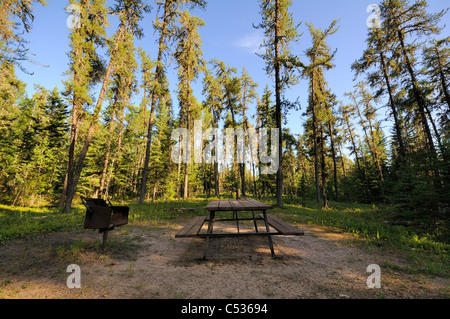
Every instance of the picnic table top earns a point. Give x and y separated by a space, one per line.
237 205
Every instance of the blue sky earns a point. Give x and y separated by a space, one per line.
228 36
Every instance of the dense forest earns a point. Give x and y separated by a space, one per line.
90 138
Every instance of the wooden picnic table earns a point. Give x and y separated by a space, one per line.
235 206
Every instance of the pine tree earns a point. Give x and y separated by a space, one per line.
436 60
400 20
232 90
123 86
130 13
320 57
188 55
84 41
12 44
366 114
330 129
376 57
346 113
247 96
265 119
166 27
213 90
280 33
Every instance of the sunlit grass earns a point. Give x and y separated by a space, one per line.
19 222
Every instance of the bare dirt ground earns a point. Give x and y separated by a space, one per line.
146 261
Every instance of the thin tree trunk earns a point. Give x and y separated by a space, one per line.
352 139
115 164
369 141
216 157
323 166
333 153
108 152
155 187
442 78
68 180
343 162
188 126
436 132
444 89
314 129
279 181
397 126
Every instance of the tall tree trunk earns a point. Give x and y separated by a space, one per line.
342 160
108 152
188 126
179 169
333 153
155 188
253 168
397 126
314 129
436 132
216 180
324 171
115 164
442 78
68 180
235 168
352 139
216 157
444 89
279 181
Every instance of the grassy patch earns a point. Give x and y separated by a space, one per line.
427 253
162 210
19 222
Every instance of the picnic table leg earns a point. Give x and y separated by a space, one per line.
254 221
210 229
105 237
268 234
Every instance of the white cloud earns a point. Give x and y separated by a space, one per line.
251 42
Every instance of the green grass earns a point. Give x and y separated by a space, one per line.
366 221
425 252
162 210
428 253
19 222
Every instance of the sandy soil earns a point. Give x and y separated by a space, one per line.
147 261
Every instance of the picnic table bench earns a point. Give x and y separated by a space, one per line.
194 227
